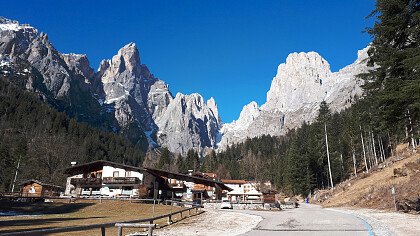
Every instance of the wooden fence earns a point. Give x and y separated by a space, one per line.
20 196
184 213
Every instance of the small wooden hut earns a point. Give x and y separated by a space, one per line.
36 188
269 196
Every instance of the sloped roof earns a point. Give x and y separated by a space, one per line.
189 178
233 181
40 183
97 165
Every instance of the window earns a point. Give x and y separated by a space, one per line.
116 174
128 174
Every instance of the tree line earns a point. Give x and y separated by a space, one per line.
42 141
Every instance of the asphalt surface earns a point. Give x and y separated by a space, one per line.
308 220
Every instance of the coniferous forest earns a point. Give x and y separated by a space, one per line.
42 141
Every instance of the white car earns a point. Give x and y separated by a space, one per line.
226 205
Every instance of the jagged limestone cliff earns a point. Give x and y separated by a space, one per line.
300 85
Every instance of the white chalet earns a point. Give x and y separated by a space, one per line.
105 178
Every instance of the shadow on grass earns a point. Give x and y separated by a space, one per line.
33 222
40 208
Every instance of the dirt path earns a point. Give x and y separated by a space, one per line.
213 222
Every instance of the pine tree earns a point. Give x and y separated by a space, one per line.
395 50
164 159
297 180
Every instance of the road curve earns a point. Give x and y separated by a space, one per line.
308 220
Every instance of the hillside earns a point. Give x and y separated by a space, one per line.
373 190
42 141
122 96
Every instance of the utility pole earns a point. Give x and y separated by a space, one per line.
364 151
381 149
413 142
342 165
354 164
374 148
16 173
328 155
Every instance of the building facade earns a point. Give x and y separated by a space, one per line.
108 179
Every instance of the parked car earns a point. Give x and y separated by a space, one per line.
226 204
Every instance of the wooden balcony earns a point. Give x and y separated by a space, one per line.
86 182
176 185
121 180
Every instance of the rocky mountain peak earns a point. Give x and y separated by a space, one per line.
128 57
362 55
211 104
300 85
299 80
15 38
248 114
80 64
12 25
123 94
188 123
141 104
126 63
306 58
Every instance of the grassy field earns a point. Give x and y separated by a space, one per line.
61 214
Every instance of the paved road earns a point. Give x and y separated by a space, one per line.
308 220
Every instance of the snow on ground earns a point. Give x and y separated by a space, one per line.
386 222
213 222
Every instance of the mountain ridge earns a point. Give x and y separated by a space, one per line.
300 85
122 89
123 95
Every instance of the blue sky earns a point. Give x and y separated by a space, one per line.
226 49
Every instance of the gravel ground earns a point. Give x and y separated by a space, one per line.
213 222
385 223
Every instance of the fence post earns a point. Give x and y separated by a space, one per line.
119 231
103 231
170 219
150 232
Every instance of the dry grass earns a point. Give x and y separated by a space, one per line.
374 189
48 215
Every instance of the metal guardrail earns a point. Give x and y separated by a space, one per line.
102 226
